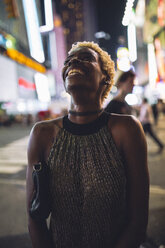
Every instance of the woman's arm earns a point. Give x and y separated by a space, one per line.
134 152
38 229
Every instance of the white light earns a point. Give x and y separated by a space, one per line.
48 17
53 50
152 66
140 13
123 64
32 25
114 89
137 89
128 12
48 13
131 33
122 52
52 83
44 29
131 99
100 35
42 87
161 90
9 43
21 107
30 106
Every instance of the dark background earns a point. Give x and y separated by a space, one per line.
110 14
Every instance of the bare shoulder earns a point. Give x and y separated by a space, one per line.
126 130
124 123
47 127
42 137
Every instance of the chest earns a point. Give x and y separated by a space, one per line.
86 166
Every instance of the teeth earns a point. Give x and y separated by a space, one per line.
75 71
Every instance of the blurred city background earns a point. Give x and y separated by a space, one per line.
35 36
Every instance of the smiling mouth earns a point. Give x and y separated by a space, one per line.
75 71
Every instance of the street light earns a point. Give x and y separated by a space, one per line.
102 35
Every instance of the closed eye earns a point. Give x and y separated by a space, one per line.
87 57
82 56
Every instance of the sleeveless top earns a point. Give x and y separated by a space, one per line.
116 106
88 186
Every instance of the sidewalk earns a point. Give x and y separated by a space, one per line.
13 161
156 225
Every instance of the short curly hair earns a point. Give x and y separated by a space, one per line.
107 64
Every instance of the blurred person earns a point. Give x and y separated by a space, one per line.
124 83
99 182
29 119
155 113
145 118
161 106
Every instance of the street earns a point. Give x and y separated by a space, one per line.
13 162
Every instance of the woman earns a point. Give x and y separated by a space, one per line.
145 117
98 164
124 85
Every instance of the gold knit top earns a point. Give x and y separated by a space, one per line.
88 186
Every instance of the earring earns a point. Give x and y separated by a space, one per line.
106 83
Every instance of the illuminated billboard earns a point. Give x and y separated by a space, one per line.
159 43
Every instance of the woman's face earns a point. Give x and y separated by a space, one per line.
82 70
128 85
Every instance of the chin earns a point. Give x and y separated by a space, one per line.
77 88
76 83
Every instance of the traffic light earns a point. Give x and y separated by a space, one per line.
11 8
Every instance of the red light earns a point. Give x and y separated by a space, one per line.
26 84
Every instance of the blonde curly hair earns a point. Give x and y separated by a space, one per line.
107 63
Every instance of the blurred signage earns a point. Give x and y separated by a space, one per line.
24 83
159 43
11 8
154 19
8 76
33 32
22 59
42 87
161 12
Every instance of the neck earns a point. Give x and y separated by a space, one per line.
120 96
85 113
82 114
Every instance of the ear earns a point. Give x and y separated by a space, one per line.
105 80
106 83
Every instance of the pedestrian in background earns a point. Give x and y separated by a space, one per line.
97 164
146 119
124 84
155 113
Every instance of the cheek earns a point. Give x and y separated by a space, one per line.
99 76
63 72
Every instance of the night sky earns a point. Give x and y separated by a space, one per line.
110 14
